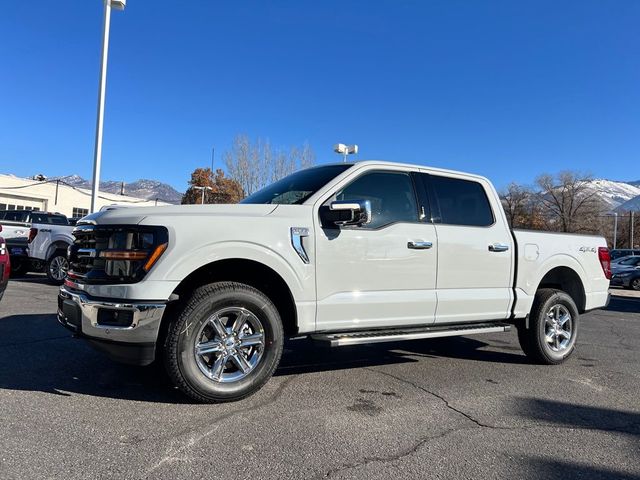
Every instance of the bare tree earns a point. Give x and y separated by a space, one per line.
256 164
516 200
568 202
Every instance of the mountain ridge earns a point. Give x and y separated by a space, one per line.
144 188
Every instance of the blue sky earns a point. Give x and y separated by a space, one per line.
507 89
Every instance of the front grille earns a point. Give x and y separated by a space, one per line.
87 263
83 254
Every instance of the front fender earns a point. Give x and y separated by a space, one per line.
177 266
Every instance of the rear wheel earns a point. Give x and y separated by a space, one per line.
57 267
553 327
635 284
225 344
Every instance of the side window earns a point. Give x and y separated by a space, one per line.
39 218
462 202
58 220
391 194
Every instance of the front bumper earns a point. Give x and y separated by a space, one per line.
134 343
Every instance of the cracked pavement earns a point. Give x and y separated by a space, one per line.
469 407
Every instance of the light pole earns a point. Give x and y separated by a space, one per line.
97 152
203 189
345 150
615 229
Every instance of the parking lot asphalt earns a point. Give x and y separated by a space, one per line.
448 408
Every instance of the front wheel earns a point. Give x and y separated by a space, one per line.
553 327
225 344
57 267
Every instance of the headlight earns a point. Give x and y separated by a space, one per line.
114 253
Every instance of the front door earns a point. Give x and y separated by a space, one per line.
382 274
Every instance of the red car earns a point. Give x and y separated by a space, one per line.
5 265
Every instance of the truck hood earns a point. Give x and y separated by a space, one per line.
157 215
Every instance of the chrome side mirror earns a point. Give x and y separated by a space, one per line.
351 212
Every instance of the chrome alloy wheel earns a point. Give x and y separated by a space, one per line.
58 268
558 328
229 345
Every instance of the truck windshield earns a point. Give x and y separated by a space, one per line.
297 187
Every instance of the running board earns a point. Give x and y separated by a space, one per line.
397 335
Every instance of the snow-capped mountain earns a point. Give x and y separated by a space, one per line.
143 188
614 194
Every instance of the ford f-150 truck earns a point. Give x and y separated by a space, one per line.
49 244
346 254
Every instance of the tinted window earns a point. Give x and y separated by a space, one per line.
58 220
38 218
297 187
16 216
391 195
462 202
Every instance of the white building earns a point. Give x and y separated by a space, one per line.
53 196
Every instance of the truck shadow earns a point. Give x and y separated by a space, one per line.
39 278
575 417
37 354
623 304
303 356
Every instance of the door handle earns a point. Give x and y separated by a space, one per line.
498 247
419 245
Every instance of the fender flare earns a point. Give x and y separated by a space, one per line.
182 266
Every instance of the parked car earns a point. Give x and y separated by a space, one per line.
626 272
5 265
629 278
620 259
348 254
16 223
48 244
623 252
17 230
625 263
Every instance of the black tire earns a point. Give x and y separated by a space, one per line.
19 268
533 340
185 368
635 284
57 267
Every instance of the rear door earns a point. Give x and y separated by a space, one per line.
474 251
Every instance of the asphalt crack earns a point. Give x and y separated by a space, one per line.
631 429
442 399
390 458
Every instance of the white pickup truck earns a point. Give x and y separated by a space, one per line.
48 244
20 228
347 254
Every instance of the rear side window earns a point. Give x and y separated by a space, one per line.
462 202
58 220
38 218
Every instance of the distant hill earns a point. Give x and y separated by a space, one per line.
143 188
615 194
